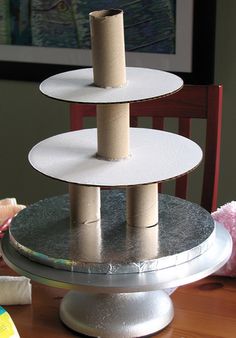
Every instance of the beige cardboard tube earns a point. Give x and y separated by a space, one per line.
146 240
85 204
113 131
85 242
142 205
108 48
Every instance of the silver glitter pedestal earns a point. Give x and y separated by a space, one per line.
128 304
117 315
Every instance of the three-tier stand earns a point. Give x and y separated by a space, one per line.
119 250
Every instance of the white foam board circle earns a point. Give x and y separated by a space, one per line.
155 156
142 84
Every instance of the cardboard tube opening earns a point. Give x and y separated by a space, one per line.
113 131
108 48
85 204
142 205
105 12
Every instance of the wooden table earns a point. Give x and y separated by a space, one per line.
205 309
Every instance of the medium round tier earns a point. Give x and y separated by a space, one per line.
155 156
142 84
43 233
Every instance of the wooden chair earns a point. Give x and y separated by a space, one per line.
191 102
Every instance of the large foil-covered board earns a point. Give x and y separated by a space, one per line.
43 232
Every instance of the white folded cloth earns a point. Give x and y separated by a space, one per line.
15 290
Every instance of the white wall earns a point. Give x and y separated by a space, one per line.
27 117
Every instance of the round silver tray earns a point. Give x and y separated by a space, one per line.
42 232
135 303
199 267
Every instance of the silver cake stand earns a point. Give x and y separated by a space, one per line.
128 302
118 275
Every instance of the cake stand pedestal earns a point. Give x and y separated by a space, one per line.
117 315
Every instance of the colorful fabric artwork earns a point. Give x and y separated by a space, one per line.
52 24
5 23
149 25
20 13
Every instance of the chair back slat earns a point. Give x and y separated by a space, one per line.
181 184
158 123
190 101
212 150
184 126
133 121
77 119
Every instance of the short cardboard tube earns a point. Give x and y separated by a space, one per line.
146 239
85 204
86 242
113 131
108 48
142 205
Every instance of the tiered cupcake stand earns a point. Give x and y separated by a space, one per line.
119 250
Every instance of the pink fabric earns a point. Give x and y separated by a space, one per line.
4 226
8 209
226 215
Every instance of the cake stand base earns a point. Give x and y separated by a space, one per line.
121 305
117 315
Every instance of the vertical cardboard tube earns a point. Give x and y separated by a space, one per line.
142 205
147 241
113 131
108 48
84 204
85 242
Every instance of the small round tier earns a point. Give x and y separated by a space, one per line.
43 233
155 156
142 84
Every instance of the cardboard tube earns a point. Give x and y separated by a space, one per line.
113 131
108 49
85 242
146 240
84 204
142 205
